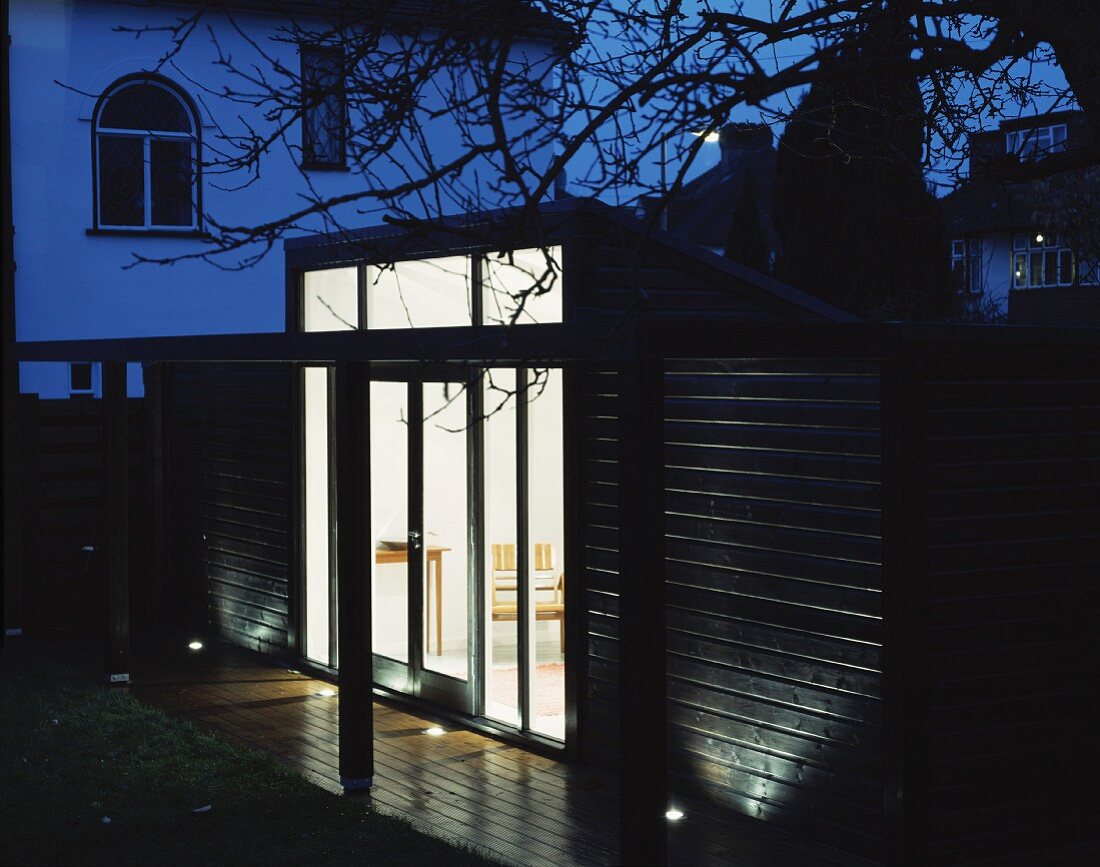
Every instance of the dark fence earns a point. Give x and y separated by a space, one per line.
1011 605
773 591
64 490
599 711
229 465
882 580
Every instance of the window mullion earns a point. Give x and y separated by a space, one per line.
148 153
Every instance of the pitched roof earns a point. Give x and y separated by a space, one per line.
473 231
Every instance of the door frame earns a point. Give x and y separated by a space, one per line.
413 678
419 687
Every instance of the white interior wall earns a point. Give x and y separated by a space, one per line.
389 511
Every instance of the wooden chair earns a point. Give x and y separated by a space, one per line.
547 579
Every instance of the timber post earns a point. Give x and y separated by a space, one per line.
642 712
117 562
353 578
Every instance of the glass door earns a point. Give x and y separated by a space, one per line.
422 575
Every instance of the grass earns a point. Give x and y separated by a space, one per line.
88 775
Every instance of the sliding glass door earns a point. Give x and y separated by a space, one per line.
467 538
422 575
524 552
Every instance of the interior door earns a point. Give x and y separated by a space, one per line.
423 531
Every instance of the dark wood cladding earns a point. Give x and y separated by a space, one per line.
599 712
230 503
64 507
773 570
1013 524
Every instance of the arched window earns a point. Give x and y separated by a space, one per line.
145 152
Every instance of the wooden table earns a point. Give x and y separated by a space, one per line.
432 554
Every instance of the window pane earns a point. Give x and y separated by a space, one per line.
389 481
147 107
524 286
1035 270
425 293
1065 267
315 424
1019 277
330 300
323 112
502 653
446 519
1050 268
546 557
121 181
171 182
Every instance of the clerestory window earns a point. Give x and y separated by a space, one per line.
146 152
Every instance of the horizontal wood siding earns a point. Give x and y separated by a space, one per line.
230 502
774 621
1014 574
65 508
599 712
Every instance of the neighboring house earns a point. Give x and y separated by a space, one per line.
1022 252
111 153
704 210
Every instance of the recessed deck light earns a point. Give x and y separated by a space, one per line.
327 693
674 815
434 731
195 645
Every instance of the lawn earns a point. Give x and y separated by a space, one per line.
88 775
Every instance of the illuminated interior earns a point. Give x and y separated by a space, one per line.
459 437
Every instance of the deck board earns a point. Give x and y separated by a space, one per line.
515 806
518 807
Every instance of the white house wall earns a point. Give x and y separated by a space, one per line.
997 270
73 285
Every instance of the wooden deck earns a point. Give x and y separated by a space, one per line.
517 807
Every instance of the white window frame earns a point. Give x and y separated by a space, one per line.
1034 248
967 253
147 137
1036 141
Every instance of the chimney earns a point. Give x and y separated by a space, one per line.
739 139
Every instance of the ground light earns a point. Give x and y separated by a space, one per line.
195 645
434 731
674 815
327 693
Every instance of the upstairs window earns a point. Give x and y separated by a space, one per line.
146 154
324 109
1030 144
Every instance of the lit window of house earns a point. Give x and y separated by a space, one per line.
1036 142
966 265
146 157
1040 260
324 109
